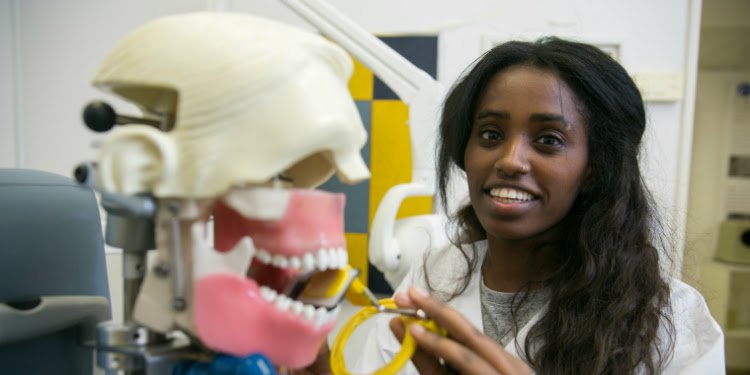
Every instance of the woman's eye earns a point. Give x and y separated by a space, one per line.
490 135
550 140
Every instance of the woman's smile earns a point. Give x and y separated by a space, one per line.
509 201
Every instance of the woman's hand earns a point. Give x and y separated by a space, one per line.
465 350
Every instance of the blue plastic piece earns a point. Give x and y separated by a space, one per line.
255 364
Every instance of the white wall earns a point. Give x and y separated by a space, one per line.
7 86
61 43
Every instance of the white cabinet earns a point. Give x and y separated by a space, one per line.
726 287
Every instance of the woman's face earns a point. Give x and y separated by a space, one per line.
527 154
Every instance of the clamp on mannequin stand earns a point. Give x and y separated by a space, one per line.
128 346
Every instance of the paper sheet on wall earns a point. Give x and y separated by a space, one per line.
740 140
738 197
738 174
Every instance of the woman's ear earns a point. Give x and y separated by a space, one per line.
136 159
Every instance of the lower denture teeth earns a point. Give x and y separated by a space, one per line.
320 316
268 294
297 307
309 312
283 303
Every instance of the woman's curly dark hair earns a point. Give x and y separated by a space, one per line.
608 293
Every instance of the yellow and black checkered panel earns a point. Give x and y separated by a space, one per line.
387 152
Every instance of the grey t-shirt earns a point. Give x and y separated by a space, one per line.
496 311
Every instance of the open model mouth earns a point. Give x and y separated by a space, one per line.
270 241
298 233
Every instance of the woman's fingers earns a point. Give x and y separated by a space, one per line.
456 355
470 344
402 300
422 360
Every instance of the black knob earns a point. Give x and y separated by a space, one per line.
81 173
746 237
99 116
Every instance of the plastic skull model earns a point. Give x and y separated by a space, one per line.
254 115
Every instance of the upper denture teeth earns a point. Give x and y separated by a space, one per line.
333 258
308 262
343 257
264 256
280 261
295 262
321 259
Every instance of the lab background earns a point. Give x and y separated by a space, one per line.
691 60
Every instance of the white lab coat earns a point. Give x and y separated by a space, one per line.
698 346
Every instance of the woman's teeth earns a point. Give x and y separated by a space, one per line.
319 316
321 260
511 194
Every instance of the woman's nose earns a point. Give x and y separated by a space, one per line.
512 159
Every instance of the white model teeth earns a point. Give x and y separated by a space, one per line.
506 193
264 256
297 307
308 312
283 303
323 259
295 263
308 262
321 316
318 316
280 261
268 294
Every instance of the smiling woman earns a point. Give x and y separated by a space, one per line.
556 266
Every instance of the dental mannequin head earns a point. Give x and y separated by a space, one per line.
254 114
250 98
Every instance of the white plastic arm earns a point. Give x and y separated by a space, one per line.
416 88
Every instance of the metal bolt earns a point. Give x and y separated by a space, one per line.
162 270
179 304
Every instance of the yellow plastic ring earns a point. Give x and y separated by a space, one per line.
408 346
